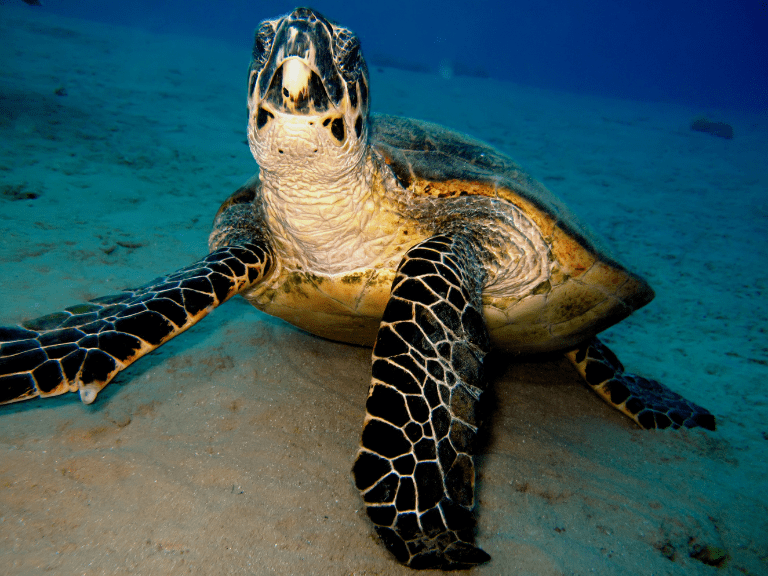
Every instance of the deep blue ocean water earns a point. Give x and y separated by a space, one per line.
711 53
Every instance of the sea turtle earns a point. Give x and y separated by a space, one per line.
384 231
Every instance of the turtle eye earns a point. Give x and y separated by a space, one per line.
347 55
262 45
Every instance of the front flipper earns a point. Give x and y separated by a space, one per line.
415 469
647 402
82 348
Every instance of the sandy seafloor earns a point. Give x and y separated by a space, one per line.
228 451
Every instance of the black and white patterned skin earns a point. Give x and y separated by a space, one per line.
83 347
648 402
415 468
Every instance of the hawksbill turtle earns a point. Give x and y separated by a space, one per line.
376 230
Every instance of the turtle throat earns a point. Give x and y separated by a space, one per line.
318 226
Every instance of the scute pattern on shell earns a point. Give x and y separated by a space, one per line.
443 163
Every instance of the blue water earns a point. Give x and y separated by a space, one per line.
702 52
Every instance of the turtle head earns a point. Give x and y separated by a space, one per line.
307 96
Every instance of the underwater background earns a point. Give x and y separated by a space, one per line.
229 449
706 52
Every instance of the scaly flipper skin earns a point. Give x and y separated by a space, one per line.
82 348
647 402
415 469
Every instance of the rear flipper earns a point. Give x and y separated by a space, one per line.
82 348
647 402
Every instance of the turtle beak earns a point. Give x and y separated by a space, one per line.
297 89
299 76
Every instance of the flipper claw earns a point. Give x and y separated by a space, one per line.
88 393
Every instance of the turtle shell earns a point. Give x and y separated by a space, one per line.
584 290
588 289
